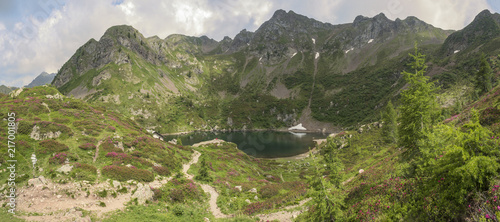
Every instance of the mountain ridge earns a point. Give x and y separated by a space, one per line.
277 63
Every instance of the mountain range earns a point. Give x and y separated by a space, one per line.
291 70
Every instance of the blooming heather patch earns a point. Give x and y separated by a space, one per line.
161 170
123 173
52 146
181 190
87 146
58 158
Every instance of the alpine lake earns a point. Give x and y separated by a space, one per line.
260 144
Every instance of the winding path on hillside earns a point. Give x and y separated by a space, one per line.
97 150
207 188
284 215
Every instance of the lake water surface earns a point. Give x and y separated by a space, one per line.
262 144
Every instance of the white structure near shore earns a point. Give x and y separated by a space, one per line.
297 127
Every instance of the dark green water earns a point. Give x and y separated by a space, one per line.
262 144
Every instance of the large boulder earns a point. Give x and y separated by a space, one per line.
143 193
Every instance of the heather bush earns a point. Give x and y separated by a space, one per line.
181 190
489 116
58 158
89 127
161 170
269 190
87 146
24 127
109 146
123 173
51 146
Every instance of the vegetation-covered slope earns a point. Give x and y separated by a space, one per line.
291 69
58 129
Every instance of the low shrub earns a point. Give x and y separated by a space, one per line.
87 146
180 190
163 171
59 158
108 145
24 127
123 173
51 146
102 193
269 190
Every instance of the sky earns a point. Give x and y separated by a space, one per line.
41 35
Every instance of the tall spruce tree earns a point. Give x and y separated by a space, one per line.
418 105
327 195
483 77
389 129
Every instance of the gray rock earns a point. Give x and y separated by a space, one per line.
248 201
256 198
66 168
253 190
116 184
238 187
143 193
40 181
37 135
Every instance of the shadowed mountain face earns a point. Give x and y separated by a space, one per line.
292 69
42 79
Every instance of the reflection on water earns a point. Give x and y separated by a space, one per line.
298 134
264 144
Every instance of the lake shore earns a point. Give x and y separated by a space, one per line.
248 130
314 150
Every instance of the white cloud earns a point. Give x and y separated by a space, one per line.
128 8
45 40
446 14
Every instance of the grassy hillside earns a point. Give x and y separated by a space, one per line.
91 138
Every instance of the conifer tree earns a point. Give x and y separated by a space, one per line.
418 105
389 129
483 77
203 174
327 196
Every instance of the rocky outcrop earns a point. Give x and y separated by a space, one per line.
39 181
143 194
65 169
37 135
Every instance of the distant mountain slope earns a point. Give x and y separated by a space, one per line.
6 89
42 79
291 70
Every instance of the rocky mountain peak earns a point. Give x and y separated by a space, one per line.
381 17
42 79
